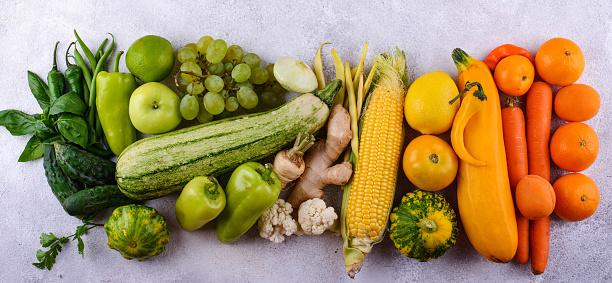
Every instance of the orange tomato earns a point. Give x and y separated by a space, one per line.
430 163
514 75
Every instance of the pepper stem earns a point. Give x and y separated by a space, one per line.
210 189
265 175
68 64
478 93
116 63
55 57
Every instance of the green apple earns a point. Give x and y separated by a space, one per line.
154 109
201 201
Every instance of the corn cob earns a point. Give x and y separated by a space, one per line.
368 198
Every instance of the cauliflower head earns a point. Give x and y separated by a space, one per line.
315 217
276 222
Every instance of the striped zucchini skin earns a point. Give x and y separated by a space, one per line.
160 165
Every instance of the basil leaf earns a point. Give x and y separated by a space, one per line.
43 132
51 138
68 103
73 128
17 122
34 149
39 89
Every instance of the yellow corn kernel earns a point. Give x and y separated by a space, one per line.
379 154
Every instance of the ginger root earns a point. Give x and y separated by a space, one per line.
319 159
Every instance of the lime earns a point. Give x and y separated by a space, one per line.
426 107
150 58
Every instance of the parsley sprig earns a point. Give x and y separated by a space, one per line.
46 259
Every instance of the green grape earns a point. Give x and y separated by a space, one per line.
234 54
217 69
247 98
190 67
214 103
195 87
276 87
189 107
228 66
225 94
252 60
231 104
216 51
203 43
186 54
203 115
241 72
271 99
259 75
245 84
182 84
192 46
270 69
214 83
228 80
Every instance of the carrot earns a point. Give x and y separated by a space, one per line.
540 233
513 123
539 111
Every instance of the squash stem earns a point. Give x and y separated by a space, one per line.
429 225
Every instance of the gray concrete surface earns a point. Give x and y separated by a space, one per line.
427 31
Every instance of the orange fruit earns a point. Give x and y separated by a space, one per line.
559 61
534 197
577 103
574 147
514 75
577 197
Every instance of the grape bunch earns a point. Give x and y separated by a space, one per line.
220 81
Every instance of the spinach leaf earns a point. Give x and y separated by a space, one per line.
39 89
73 128
17 122
68 103
34 149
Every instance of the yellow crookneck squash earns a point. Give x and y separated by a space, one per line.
483 192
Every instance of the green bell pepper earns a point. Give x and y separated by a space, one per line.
201 201
113 92
251 190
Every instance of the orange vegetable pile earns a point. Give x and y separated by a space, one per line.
529 147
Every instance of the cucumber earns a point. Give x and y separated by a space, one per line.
84 166
61 185
160 165
95 199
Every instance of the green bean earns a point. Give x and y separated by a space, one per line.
90 56
100 49
91 119
78 60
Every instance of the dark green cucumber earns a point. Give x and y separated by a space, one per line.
84 166
95 199
61 185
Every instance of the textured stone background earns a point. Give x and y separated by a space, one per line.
427 32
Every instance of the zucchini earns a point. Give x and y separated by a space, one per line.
161 165
95 199
84 166
61 185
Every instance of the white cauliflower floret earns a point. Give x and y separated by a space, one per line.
276 221
314 217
